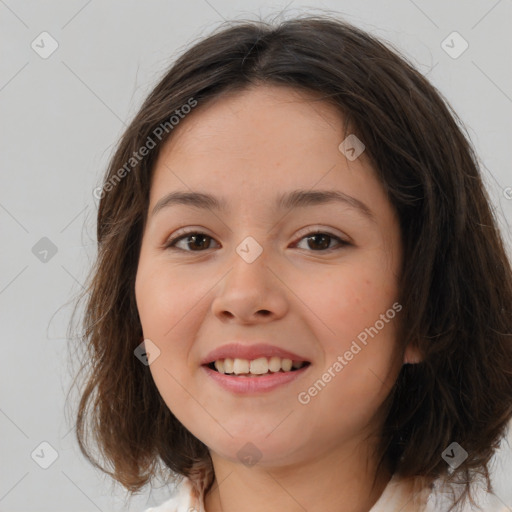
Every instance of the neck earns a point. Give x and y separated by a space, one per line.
343 479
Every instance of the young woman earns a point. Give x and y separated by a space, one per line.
301 299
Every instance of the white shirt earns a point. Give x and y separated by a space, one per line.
399 495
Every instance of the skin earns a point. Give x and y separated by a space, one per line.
247 148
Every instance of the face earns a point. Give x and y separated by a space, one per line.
311 278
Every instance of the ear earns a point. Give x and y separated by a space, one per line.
412 354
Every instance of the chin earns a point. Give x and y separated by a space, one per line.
262 449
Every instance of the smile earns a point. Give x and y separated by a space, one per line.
260 366
247 383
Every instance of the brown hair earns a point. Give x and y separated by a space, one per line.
456 280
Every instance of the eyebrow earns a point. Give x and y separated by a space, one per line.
287 201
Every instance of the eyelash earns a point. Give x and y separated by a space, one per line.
170 244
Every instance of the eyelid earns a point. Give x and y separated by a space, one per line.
343 240
312 230
183 232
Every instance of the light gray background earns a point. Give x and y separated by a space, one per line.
60 120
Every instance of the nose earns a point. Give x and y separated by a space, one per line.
250 293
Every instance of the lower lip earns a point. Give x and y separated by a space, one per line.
249 385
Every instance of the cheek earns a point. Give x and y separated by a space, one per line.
350 385
356 321
348 299
164 316
166 298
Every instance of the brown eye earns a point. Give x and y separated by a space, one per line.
196 242
321 242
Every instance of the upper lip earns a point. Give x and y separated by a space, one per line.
254 351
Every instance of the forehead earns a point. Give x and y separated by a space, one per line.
259 140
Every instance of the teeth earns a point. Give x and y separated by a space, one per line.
259 366
286 365
274 364
228 365
241 366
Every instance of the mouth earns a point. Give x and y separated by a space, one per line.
255 367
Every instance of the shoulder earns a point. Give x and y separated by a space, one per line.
404 494
189 491
413 495
443 495
184 499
